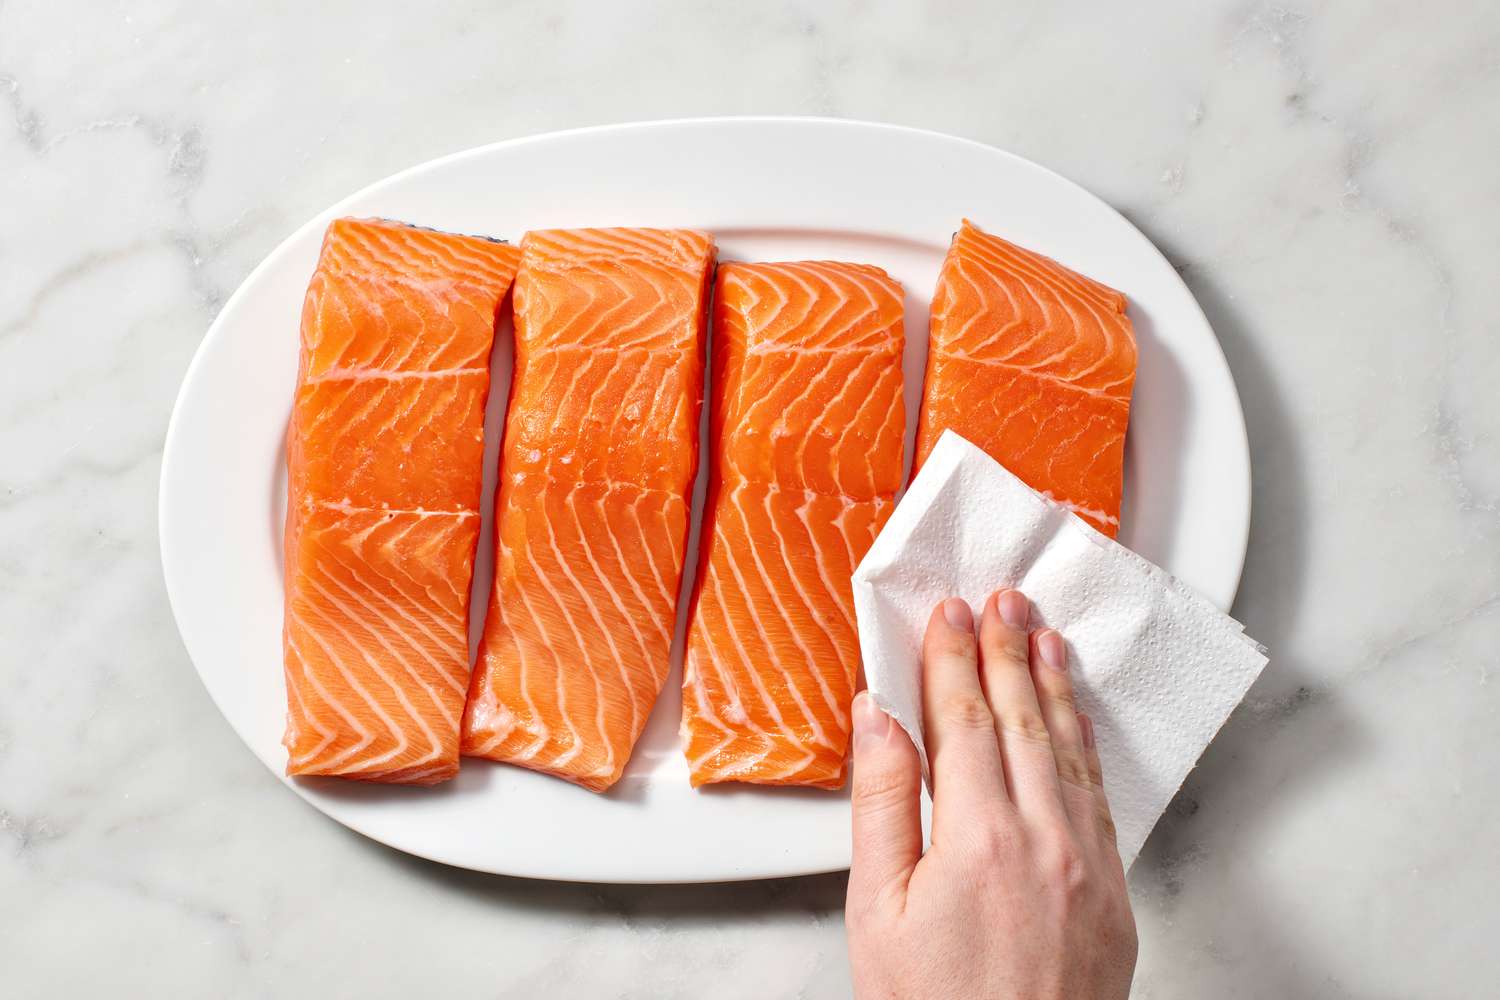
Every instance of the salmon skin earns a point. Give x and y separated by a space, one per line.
1034 363
384 451
806 446
597 467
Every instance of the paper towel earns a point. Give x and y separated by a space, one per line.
1157 668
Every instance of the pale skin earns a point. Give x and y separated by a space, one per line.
1021 893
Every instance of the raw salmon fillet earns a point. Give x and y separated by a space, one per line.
806 440
600 453
1034 363
383 481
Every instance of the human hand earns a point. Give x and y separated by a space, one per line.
1021 893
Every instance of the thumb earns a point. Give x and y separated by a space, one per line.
886 796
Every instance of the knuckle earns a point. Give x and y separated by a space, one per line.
967 710
990 840
1005 664
874 791
1072 768
1065 869
958 649
1060 700
1003 646
1107 824
1026 724
998 840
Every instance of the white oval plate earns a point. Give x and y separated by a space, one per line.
769 189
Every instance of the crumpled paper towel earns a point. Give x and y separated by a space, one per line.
1157 668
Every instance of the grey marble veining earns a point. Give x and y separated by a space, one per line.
1323 176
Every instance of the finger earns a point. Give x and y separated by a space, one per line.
886 795
1054 693
967 777
1102 816
1025 743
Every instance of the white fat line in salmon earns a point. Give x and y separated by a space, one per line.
1081 510
345 507
1035 372
374 374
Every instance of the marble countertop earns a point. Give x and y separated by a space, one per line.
1321 174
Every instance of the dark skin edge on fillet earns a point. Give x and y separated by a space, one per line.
434 229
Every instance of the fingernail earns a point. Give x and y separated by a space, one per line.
1086 726
869 720
958 614
1015 610
1054 651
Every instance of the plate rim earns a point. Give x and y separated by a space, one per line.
215 332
